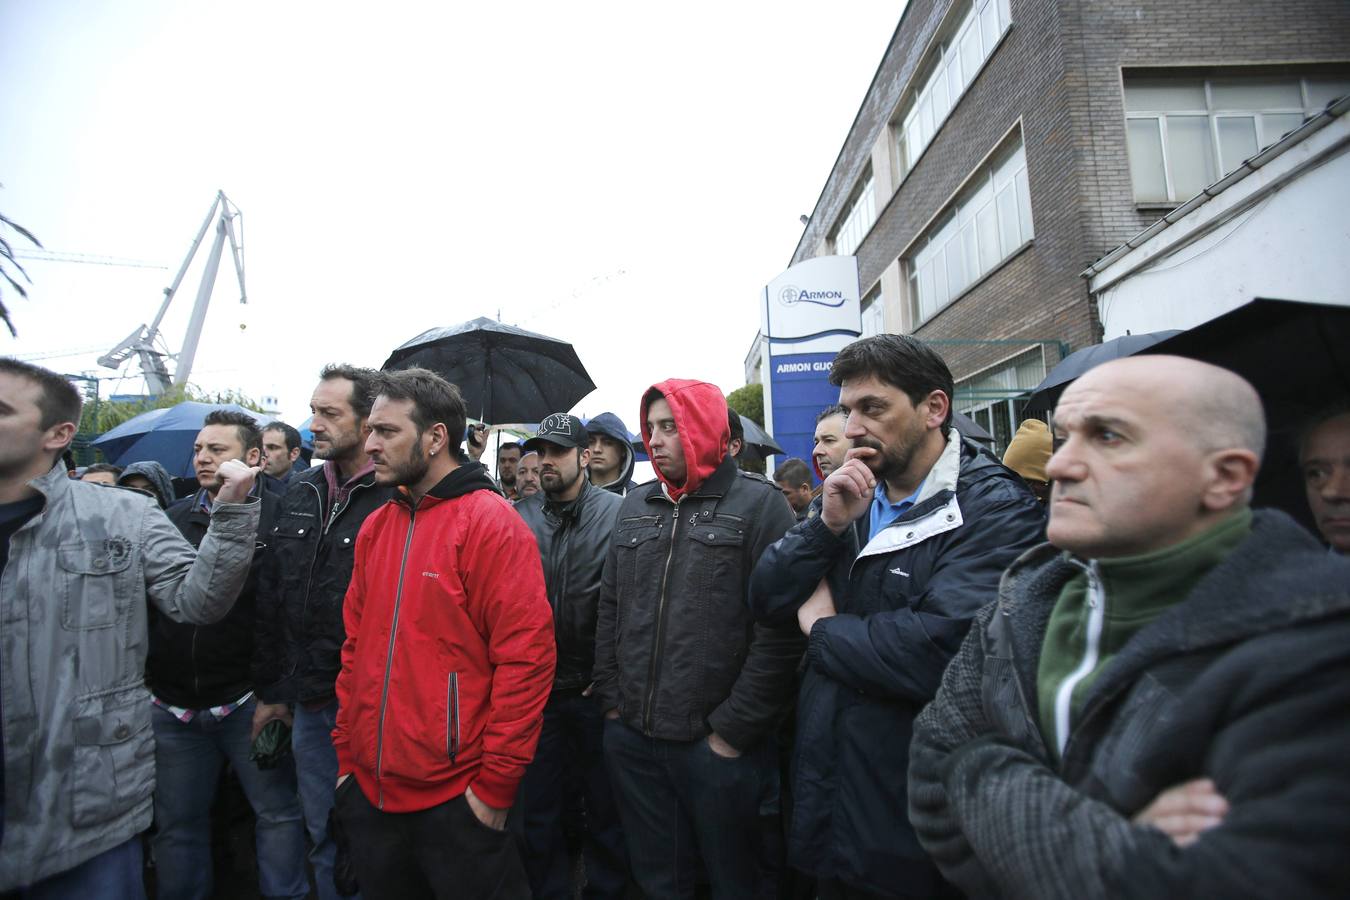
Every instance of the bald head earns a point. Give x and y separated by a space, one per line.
1217 408
1152 450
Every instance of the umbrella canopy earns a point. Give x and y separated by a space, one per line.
505 374
164 436
1297 356
971 429
1076 363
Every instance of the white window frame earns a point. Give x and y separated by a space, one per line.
921 118
873 313
857 219
1000 176
1213 114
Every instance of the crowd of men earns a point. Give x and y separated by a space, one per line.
1088 668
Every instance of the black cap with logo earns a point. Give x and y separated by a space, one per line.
560 429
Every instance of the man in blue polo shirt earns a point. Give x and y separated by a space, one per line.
915 529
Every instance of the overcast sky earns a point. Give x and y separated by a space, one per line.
623 176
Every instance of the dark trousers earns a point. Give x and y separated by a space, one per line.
680 804
443 852
571 748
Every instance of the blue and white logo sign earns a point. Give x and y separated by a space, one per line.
791 295
813 298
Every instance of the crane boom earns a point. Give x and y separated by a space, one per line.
141 341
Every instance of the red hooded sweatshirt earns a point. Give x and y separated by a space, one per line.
449 654
700 413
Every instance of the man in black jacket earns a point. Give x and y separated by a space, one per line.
693 690
301 587
1157 705
914 530
572 521
202 688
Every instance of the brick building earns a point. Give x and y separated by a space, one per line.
1005 145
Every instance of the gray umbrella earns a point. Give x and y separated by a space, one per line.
1046 394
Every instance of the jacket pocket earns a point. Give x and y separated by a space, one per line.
452 716
114 765
96 582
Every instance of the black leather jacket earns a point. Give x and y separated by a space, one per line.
573 542
676 651
201 666
303 580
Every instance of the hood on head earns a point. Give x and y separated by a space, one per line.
700 413
611 426
156 474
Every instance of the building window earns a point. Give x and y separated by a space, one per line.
873 313
1184 134
984 226
995 398
857 218
956 62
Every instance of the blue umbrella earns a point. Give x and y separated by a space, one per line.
163 435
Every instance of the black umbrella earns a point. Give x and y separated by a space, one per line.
506 374
1297 356
971 429
1076 363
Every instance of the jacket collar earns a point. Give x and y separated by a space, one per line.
56 483
1278 577
463 480
935 511
715 485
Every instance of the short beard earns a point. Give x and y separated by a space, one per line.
552 493
340 446
891 461
413 470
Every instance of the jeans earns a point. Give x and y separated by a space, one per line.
444 852
114 874
681 803
188 760
316 769
571 743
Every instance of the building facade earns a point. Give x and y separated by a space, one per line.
1005 145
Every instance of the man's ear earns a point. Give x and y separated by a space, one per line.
295 454
1229 475
936 406
439 437
58 437
252 457
585 457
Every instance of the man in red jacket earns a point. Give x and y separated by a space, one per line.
447 665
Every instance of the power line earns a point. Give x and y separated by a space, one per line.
57 354
87 259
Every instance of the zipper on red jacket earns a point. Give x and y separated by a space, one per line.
655 667
452 716
389 662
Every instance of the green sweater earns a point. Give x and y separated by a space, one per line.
1088 627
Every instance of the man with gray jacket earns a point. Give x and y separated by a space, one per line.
572 522
78 564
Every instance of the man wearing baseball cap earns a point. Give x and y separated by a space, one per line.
571 520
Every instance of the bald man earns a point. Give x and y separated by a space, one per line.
1156 706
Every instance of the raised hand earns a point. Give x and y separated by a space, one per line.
236 480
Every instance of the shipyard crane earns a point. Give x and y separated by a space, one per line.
141 343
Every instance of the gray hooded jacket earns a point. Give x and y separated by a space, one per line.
78 750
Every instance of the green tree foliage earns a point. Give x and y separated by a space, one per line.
749 402
9 266
104 415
